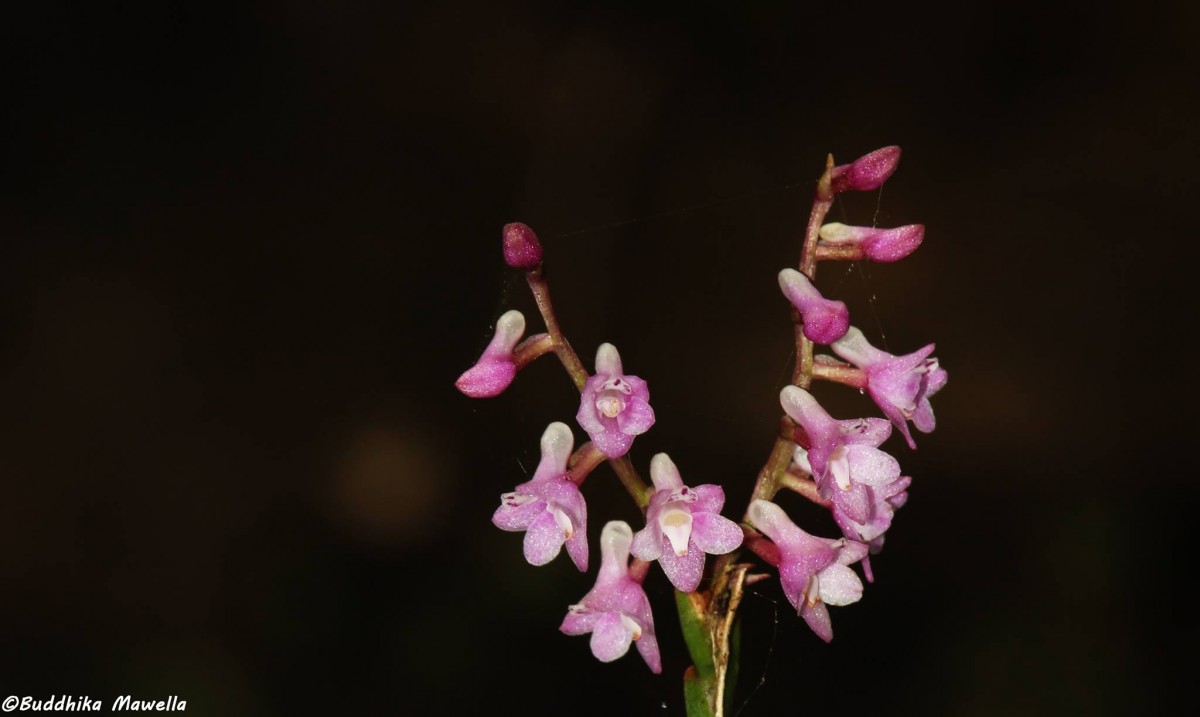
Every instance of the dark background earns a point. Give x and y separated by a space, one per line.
246 250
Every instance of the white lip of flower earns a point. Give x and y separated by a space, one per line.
838 465
563 520
812 592
634 629
676 524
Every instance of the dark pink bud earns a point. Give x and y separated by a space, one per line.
885 245
825 321
522 250
867 172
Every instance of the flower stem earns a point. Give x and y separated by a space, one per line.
804 486
562 347
768 478
532 348
583 462
802 375
847 375
822 201
628 475
840 252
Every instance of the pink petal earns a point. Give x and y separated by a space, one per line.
638 388
890 245
647 544
637 418
855 503
894 414
935 380
922 418
866 564
566 495
715 534
892 491
817 617
648 647
587 416
710 498
794 577
579 623
518 517
610 637
543 540
684 571
612 443
577 548
865 431
851 552
487 379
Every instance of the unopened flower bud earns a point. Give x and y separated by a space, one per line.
825 320
883 245
496 368
867 172
522 250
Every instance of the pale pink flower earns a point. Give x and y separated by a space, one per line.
814 572
614 407
616 610
840 453
682 524
899 385
549 507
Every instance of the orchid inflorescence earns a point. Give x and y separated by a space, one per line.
837 464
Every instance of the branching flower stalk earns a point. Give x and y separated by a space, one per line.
836 464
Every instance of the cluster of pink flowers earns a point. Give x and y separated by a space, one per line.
683 523
861 484
836 463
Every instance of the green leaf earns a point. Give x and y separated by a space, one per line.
695 634
695 694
